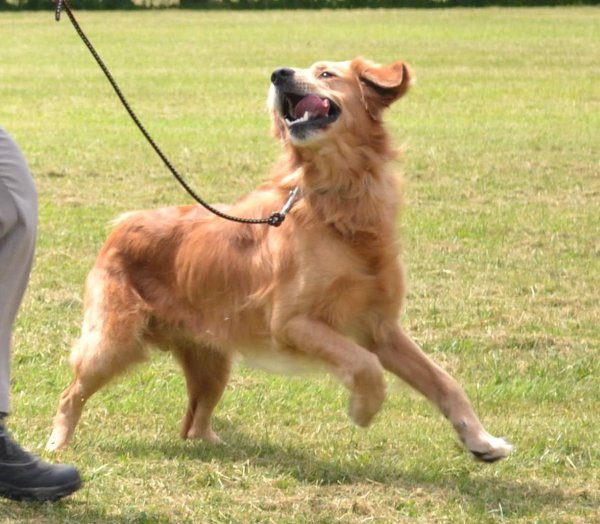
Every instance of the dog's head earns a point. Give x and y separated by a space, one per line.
309 104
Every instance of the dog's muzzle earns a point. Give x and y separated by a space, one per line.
305 113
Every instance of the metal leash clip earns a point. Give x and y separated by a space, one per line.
276 219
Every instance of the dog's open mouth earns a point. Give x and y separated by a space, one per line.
306 113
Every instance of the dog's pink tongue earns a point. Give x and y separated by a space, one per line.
314 104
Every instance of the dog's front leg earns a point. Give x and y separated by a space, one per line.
358 369
403 357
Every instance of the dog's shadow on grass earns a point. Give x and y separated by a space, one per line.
524 497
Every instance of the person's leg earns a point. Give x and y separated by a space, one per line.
18 222
23 476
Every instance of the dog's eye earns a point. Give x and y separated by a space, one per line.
327 74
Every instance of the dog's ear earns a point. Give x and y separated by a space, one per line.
381 86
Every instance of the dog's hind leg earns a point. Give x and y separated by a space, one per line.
403 357
110 343
206 373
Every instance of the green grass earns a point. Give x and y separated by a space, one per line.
501 240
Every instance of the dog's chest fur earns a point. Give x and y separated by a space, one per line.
347 281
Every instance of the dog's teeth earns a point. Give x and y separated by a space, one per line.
305 117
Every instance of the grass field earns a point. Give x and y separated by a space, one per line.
501 240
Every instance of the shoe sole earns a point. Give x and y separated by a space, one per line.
49 494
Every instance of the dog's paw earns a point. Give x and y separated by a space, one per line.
56 442
363 408
367 390
490 449
207 435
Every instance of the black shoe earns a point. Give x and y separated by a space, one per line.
23 476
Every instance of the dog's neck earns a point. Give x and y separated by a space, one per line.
348 186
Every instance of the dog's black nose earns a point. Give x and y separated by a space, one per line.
280 76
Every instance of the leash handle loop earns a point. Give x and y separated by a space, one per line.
275 220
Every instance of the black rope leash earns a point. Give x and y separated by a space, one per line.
276 218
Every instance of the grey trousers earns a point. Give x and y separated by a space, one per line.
18 224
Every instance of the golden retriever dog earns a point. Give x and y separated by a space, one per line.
324 288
